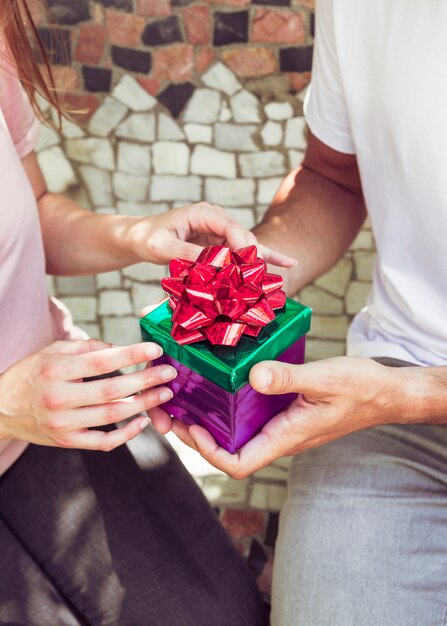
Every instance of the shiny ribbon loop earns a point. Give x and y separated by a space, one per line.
221 296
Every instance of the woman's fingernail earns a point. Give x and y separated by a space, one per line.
265 377
168 373
165 395
144 423
153 352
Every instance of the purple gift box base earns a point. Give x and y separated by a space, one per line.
232 418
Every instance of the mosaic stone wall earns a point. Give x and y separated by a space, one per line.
189 101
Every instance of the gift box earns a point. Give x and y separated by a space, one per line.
212 388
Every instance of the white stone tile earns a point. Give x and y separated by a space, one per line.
56 169
91 329
329 327
301 96
231 193
225 114
132 95
336 281
122 331
138 126
51 286
278 111
283 462
267 188
129 187
108 280
115 302
92 151
144 272
83 308
261 164
235 137
363 241
71 130
272 133
48 137
171 188
75 285
245 107
321 302
168 129
295 158
295 137
203 107
107 117
268 497
317 349
356 296
99 185
198 133
105 210
222 490
135 208
221 78
245 217
208 161
271 473
364 264
145 295
134 158
79 195
170 157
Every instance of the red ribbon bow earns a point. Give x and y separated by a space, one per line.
223 295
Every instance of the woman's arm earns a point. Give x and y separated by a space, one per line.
79 242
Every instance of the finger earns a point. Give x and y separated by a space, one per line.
107 441
276 258
275 377
116 387
110 360
213 220
114 412
77 347
161 420
184 250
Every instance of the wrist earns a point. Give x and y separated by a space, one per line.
125 239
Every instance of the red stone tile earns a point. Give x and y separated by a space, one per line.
298 80
81 106
309 4
277 27
241 523
248 62
173 63
124 28
154 8
197 23
239 3
151 85
66 79
204 58
91 42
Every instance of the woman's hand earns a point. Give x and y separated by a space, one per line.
184 231
44 400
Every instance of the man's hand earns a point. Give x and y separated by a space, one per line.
336 397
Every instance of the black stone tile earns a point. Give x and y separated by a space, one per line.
124 5
312 24
271 532
57 44
180 3
69 11
175 97
133 60
162 32
275 3
96 78
297 59
230 27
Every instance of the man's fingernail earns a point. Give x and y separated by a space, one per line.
153 352
264 377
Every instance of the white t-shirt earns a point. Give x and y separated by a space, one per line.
379 90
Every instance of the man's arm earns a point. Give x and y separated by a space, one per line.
316 213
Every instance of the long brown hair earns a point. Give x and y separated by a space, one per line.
22 39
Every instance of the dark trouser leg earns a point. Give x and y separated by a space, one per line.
127 545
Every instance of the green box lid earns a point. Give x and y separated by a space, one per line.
229 367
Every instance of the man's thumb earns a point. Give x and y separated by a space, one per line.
274 377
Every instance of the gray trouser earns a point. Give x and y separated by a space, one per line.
363 533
